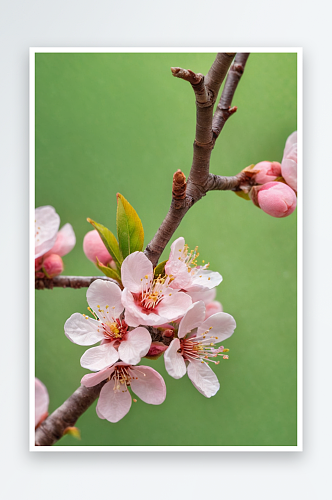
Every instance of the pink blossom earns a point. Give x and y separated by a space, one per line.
117 341
51 244
52 265
149 301
194 347
94 248
115 399
185 273
41 402
267 171
289 161
274 198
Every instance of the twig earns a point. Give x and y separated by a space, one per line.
224 109
52 429
68 282
200 180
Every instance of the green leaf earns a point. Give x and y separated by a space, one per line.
109 241
129 228
109 272
160 269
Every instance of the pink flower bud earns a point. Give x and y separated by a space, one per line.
156 349
94 247
52 265
267 171
289 161
274 198
38 263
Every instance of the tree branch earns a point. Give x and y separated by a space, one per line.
68 282
52 429
200 180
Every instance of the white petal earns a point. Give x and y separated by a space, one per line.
83 330
203 378
104 297
220 325
47 223
174 362
174 306
206 296
148 385
131 309
65 240
133 270
203 279
192 319
113 404
92 379
135 346
174 263
100 357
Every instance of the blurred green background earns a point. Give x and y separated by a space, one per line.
108 123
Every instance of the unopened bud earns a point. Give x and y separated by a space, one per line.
38 263
52 265
168 333
267 171
156 350
94 248
274 198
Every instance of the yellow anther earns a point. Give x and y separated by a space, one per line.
107 307
226 350
135 400
209 278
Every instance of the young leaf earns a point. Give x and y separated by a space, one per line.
129 228
109 272
109 241
242 194
160 269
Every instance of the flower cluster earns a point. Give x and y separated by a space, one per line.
177 305
50 243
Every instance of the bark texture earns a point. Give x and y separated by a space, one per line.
68 282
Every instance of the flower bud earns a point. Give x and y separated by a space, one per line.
156 350
52 265
38 263
267 171
94 248
274 198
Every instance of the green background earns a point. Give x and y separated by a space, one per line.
108 123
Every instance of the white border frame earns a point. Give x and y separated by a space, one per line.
299 52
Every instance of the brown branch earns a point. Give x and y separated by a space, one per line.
52 429
224 109
200 180
68 282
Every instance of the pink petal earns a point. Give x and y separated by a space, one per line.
41 401
47 223
100 357
192 319
174 362
133 270
174 306
176 252
148 385
204 279
92 379
222 326
113 404
291 140
83 330
289 172
132 317
65 241
206 296
104 297
203 378
135 346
